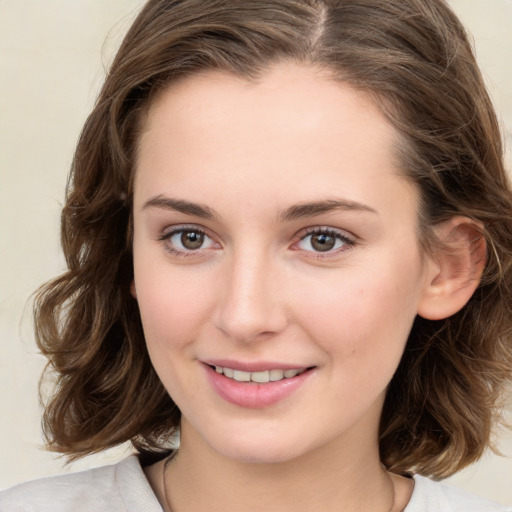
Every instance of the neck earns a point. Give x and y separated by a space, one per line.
345 475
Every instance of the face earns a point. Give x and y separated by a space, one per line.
276 256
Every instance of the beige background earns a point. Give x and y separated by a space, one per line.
52 59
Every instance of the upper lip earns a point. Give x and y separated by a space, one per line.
254 366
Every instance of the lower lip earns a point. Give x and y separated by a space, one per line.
254 395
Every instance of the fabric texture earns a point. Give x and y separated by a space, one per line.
120 487
123 487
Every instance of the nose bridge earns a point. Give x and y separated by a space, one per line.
249 306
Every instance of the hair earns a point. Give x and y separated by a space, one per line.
414 58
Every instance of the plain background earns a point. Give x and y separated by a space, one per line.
53 54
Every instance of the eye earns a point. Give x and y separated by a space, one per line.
190 240
185 240
324 240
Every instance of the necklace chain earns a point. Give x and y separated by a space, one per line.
169 509
164 471
393 492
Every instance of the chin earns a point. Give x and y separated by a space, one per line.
259 449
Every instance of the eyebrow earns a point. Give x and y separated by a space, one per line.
295 212
179 205
299 211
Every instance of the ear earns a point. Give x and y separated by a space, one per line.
455 269
133 291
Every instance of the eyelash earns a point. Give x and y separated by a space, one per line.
166 236
348 242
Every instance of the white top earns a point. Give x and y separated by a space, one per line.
123 487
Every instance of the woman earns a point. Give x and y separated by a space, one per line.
288 237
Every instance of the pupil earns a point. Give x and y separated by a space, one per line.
323 242
192 239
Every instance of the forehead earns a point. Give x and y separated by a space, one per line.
294 125
296 93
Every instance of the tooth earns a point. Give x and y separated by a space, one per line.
228 372
276 375
241 376
260 376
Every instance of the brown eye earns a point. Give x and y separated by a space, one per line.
192 240
323 242
187 241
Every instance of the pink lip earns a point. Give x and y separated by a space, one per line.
253 395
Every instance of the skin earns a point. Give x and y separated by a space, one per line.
258 290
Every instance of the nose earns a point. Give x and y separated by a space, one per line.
250 308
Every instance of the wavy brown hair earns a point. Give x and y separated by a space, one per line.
413 57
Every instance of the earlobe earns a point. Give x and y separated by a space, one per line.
454 270
133 291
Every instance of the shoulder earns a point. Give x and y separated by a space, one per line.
119 487
430 496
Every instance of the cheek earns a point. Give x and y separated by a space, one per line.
173 308
363 312
172 303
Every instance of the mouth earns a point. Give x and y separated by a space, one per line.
259 377
257 385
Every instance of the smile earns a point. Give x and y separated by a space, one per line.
257 384
258 377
